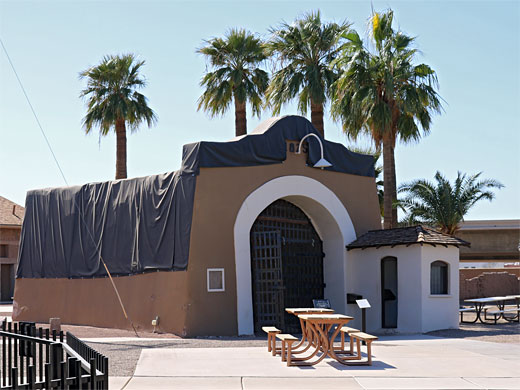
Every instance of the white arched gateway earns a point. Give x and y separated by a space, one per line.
329 217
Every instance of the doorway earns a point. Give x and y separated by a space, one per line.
389 292
6 281
286 265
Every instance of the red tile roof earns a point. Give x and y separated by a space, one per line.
10 212
405 236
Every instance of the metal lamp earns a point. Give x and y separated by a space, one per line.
321 163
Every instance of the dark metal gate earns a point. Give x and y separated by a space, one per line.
286 263
267 278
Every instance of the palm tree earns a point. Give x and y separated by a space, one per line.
114 103
378 169
442 204
236 76
304 52
382 94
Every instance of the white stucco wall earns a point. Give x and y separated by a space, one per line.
329 217
440 311
418 311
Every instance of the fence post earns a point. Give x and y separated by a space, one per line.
48 375
31 377
105 372
9 354
55 359
14 378
63 374
4 325
92 373
79 373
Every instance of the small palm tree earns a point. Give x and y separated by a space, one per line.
442 204
236 76
114 103
383 94
304 52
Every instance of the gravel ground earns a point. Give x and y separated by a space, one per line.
123 356
503 332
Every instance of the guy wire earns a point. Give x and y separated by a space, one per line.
66 182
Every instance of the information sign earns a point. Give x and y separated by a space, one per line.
363 303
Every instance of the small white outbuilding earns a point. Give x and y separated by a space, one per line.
409 275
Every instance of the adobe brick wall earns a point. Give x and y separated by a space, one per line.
468 273
489 284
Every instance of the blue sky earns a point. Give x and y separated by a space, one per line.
473 45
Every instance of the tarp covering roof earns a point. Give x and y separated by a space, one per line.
266 145
135 225
142 224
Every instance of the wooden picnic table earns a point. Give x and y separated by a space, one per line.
306 334
318 327
500 302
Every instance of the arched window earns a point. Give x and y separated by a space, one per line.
439 278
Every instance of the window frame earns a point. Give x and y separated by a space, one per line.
445 278
4 251
222 272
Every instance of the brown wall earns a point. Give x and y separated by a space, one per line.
219 195
489 284
93 301
181 298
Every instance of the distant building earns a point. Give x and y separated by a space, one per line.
11 218
494 243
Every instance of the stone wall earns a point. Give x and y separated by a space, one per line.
489 284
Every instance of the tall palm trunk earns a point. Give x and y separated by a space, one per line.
120 149
317 117
390 190
240 118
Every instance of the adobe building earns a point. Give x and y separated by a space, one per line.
11 217
243 230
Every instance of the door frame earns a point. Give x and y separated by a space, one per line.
383 300
330 219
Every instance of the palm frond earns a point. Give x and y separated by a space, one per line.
304 53
235 60
111 94
443 204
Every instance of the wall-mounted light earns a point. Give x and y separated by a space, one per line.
322 163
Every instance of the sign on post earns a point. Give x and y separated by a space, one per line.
363 303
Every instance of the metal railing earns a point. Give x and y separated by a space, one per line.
38 359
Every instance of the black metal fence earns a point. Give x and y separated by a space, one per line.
37 359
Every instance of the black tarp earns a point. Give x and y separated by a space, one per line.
142 224
135 225
266 145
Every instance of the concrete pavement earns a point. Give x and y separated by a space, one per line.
413 362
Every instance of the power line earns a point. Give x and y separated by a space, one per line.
66 182
34 113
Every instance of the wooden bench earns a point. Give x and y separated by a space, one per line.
347 330
368 339
286 350
271 340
